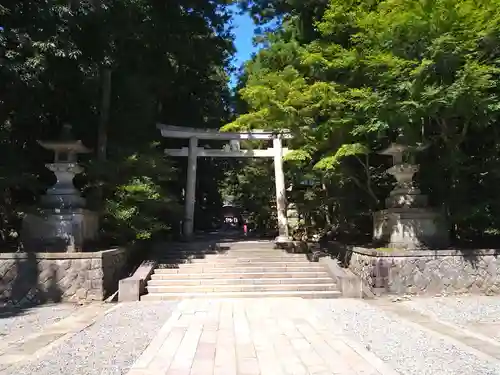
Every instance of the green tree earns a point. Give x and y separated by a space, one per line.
426 71
168 63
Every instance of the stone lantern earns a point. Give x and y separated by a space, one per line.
62 223
407 222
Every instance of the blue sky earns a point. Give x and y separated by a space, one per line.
243 31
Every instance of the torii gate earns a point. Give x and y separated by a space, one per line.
231 150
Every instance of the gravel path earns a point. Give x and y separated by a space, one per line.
112 344
108 347
407 349
26 322
464 311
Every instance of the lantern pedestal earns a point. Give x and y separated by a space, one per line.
408 223
61 224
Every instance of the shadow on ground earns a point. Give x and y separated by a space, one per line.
172 255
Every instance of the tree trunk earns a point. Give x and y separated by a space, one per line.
102 131
102 136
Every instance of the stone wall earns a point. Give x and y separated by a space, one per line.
428 272
27 278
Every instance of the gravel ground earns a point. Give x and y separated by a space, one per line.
108 347
463 311
407 349
460 309
26 322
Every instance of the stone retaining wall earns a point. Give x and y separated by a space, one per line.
428 272
27 278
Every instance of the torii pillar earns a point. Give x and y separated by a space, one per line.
281 204
190 195
193 152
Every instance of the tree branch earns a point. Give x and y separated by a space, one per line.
368 185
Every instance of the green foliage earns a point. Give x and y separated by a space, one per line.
345 77
251 184
169 63
139 203
136 208
417 70
298 155
333 161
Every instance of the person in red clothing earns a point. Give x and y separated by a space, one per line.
245 229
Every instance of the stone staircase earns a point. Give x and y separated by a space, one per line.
239 269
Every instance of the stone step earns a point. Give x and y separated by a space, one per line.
234 257
224 263
236 270
230 254
238 288
248 244
155 281
252 250
159 275
201 268
233 262
183 254
298 294
247 254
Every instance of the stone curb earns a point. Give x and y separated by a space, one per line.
469 342
350 285
142 364
131 288
40 343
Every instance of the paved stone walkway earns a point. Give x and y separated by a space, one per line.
252 337
285 336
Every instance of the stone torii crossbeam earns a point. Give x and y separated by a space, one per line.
231 150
